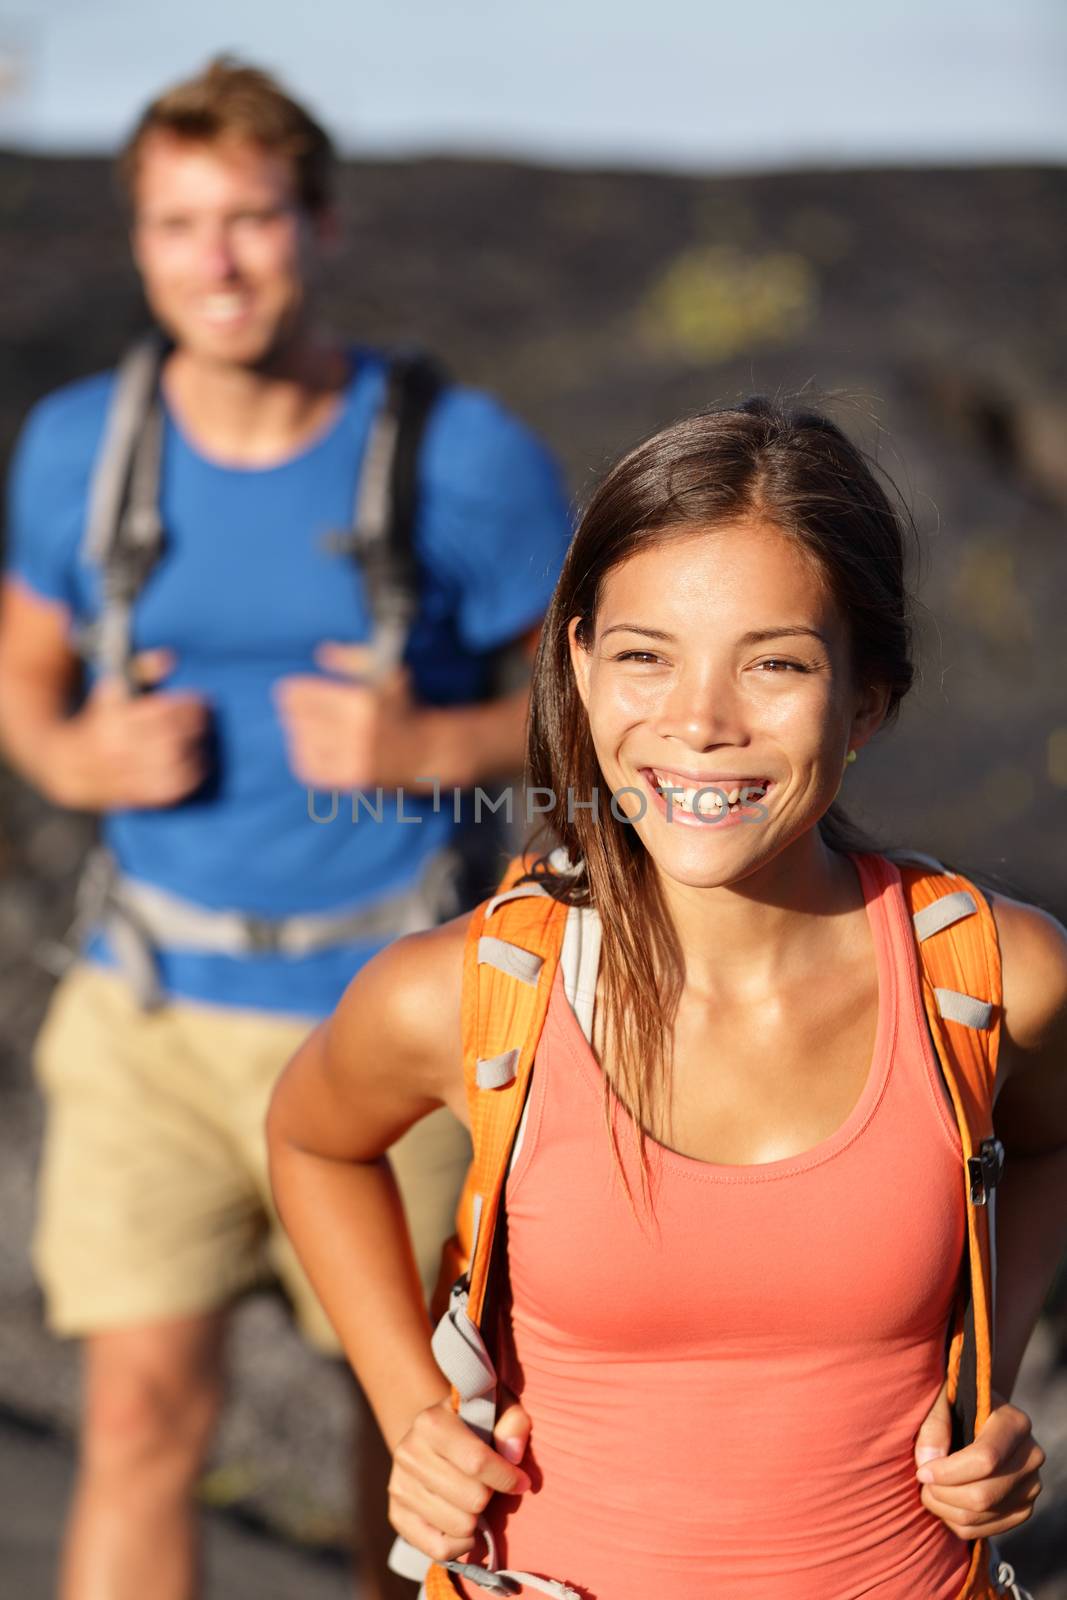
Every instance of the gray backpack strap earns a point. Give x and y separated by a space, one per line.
123 531
382 537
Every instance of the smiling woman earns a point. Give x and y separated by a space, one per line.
738 1027
732 614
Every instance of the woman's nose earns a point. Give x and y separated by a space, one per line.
702 712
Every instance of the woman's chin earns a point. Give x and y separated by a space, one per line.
698 861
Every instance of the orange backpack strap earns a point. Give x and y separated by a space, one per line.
960 960
509 966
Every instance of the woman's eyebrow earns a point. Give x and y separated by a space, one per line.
757 636
633 627
790 630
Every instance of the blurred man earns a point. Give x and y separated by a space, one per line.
292 567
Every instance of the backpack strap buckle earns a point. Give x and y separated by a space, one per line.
263 935
984 1170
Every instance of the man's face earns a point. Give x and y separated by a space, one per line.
222 247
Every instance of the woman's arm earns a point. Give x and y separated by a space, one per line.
1031 1122
390 1054
990 1485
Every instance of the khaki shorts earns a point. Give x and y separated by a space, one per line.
154 1196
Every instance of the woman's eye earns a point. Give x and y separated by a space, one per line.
637 655
776 665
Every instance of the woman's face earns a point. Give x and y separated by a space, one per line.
720 661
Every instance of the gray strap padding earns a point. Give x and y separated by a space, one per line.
390 602
140 918
135 383
383 532
943 913
137 963
124 530
580 963
522 891
177 924
371 513
407 1562
460 1352
964 1008
560 861
509 958
495 1072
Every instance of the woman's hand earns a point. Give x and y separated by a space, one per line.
989 1486
444 1477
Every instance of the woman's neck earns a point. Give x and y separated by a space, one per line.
742 940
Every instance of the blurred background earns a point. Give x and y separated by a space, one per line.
610 217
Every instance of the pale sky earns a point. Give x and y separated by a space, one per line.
676 83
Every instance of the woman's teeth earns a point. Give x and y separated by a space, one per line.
709 804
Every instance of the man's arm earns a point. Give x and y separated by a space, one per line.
38 676
116 751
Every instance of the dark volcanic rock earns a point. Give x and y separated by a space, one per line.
932 307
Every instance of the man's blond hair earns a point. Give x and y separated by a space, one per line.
230 100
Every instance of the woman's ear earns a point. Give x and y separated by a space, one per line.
581 660
869 715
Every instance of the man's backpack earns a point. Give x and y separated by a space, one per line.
124 533
515 943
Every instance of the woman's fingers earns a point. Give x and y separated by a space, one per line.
986 1525
443 1478
990 1485
436 1510
425 1537
991 1504
1006 1431
512 1432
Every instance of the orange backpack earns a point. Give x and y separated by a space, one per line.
510 961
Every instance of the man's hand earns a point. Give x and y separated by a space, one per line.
989 1486
349 731
122 751
444 1477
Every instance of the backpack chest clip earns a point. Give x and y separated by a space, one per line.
984 1170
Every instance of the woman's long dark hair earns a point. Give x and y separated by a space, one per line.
796 471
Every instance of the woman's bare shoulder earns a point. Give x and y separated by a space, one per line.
1031 1094
1033 957
406 1002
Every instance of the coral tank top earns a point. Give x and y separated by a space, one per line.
724 1400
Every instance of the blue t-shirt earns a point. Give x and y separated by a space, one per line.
245 590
